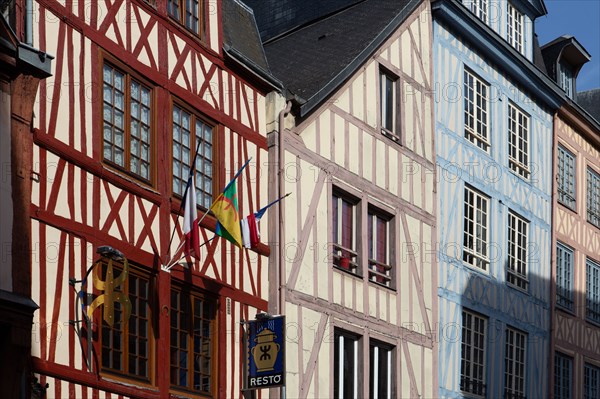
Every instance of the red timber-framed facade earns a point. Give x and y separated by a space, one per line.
131 78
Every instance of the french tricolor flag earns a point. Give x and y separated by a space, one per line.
190 221
249 225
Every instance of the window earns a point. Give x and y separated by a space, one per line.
562 376
564 276
188 12
127 116
518 141
565 78
380 246
479 8
381 370
126 345
344 211
346 363
566 177
388 97
517 251
514 28
476 222
591 382
191 134
592 291
472 357
514 364
593 197
193 319
476 110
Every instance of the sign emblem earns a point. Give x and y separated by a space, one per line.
110 296
266 350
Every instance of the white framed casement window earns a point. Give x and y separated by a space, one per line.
516 273
518 141
479 8
476 107
514 28
592 290
476 229
563 376
473 354
379 234
381 370
344 211
564 276
593 197
514 363
346 364
591 382
565 78
388 101
566 177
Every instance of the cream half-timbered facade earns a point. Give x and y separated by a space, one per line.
358 283
136 86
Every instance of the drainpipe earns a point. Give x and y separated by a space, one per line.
280 236
29 22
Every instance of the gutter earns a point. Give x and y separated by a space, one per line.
280 181
254 69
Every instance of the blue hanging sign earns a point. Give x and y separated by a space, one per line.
266 352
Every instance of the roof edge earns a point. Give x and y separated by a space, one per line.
251 67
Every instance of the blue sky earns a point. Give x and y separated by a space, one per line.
580 18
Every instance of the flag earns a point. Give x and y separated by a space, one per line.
225 209
190 221
249 225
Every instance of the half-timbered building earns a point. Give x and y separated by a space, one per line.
494 126
575 352
355 274
138 86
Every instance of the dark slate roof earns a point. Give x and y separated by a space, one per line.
241 40
566 47
275 17
315 59
590 101
538 58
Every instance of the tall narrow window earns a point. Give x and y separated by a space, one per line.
517 251
473 353
344 230
476 110
388 97
514 364
563 377
381 370
565 78
592 291
518 141
346 364
127 119
476 224
188 12
191 133
380 246
593 197
479 8
126 345
192 339
514 28
566 177
564 276
591 382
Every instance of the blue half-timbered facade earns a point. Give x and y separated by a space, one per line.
494 115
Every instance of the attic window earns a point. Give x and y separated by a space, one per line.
565 78
388 98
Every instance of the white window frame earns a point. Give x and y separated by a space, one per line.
563 376
566 179
518 233
593 197
591 381
565 257
592 290
380 271
515 28
473 346
515 355
565 78
476 110
476 229
387 106
377 349
480 8
340 251
518 141
343 338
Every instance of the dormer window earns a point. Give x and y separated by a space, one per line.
565 78
514 28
